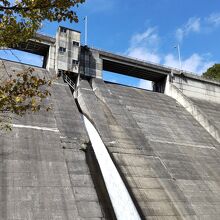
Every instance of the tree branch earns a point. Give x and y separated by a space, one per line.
16 8
9 8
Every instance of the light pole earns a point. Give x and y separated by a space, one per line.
86 29
178 49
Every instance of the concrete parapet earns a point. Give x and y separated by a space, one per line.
197 87
174 92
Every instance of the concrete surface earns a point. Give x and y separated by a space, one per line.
197 87
43 172
211 109
121 201
194 109
168 161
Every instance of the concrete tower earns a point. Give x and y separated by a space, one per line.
67 50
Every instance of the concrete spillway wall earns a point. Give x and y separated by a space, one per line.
199 88
121 201
162 153
187 90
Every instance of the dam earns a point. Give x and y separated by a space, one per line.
164 144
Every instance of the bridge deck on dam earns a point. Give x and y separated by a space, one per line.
132 67
39 45
168 161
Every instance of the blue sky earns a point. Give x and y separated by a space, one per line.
149 30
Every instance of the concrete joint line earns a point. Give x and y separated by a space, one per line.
122 203
182 144
35 127
85 89
60 84
164 165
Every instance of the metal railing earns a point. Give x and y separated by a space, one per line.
69 81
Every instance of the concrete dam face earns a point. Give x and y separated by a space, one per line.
160 152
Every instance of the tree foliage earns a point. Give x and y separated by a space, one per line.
213 72
21 93
20 19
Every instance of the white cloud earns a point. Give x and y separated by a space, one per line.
144 54
214 19
144 46
149 37
145 84
198 25
170 60
192 25
195 63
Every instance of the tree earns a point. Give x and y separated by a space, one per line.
213 72
19 21
22 93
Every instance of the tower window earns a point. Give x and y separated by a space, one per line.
63 30
62 49
75 62
75 43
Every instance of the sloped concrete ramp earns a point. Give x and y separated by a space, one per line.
211 109
43 170
168 161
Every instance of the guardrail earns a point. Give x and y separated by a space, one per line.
68 81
